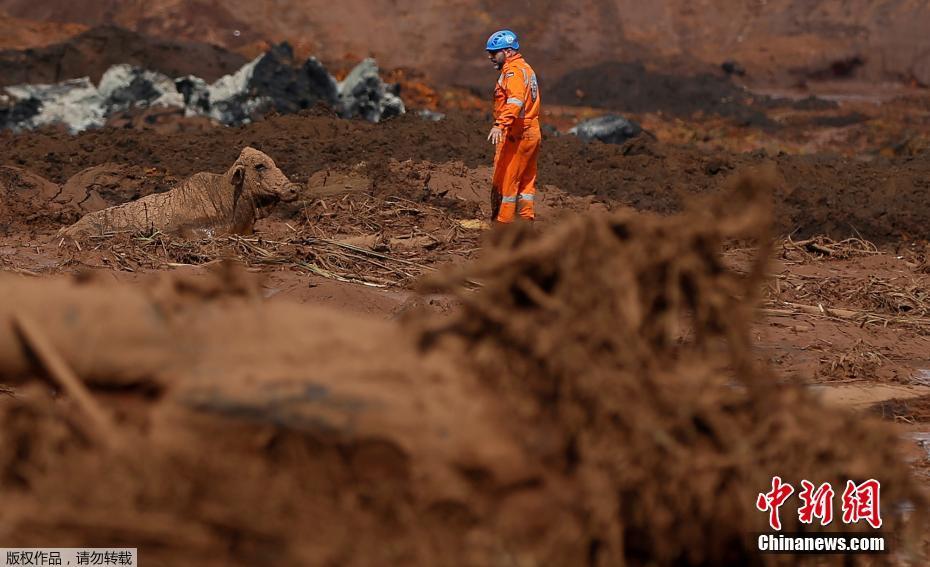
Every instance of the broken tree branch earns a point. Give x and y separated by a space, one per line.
104 430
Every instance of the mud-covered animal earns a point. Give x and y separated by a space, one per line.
204 204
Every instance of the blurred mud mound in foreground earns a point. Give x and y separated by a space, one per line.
594 401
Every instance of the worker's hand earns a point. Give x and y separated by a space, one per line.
496 135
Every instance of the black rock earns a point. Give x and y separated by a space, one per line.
289 88
731 67
16 112
269 84
137 89
364 94
195 92
320 81
610 129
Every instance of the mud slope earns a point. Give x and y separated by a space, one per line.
94 51
17 33
777 41
630 87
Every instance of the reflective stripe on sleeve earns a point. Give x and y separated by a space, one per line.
515 101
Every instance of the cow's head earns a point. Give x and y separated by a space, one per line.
256 175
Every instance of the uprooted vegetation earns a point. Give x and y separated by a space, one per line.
376 240
852 280
594 401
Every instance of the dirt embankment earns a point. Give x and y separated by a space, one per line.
17 33
633 88
91 53
880 200
629 87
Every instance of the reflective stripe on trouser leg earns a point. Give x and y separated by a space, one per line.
508 209
505 180
526 205
515 174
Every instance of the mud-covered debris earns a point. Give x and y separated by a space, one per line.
620 337
107 184
29 200
23 194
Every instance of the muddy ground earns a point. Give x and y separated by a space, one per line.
374 354
835 196
379 369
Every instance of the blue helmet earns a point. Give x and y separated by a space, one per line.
502 40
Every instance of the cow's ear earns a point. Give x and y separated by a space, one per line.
238 175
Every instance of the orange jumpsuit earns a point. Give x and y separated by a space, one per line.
516 113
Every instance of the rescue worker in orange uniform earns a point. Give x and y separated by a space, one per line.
516 133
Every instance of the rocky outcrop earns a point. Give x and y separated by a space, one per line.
272 82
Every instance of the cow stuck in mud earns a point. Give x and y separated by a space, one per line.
205 204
